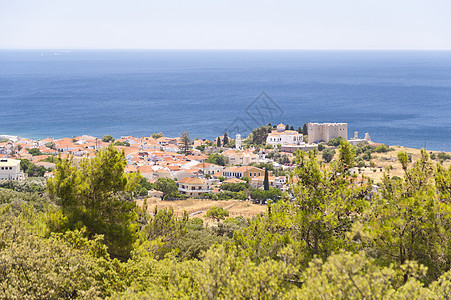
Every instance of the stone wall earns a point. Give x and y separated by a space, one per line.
326 131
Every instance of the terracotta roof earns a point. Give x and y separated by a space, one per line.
131 168
146 169
40 157
204 165
192 170
286 132
191 180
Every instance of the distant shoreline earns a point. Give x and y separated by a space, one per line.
15 139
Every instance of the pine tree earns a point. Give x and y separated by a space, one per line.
186 142
94 195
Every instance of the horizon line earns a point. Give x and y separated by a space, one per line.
235 49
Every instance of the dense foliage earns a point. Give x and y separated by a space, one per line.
217 159
94 194
31 169
337 238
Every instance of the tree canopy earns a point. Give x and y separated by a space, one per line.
217 213
167 186
96 195
217 159
332 236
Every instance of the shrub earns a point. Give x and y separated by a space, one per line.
328 154
335 142
34 151
443 156
382 148
217 213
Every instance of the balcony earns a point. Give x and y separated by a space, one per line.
187 191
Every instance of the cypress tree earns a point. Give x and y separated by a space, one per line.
266 181
225 140
304 129
218 141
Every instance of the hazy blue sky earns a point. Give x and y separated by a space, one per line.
226 24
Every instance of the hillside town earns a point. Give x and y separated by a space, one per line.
199 168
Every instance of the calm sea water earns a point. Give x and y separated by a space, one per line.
399 97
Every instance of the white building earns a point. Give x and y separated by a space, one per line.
236 157
238 142
10 169
356 140
284 137
323 132
194 187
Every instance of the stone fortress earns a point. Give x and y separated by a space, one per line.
323 132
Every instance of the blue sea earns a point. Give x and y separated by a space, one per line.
399 97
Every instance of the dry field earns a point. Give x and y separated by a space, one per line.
198 208
383 160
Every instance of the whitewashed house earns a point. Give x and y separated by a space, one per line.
10 169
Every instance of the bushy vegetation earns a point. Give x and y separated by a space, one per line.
217 213
31 169
217 159
51 159
31 184
336 239
235 187
278 157
328 154
201 147
262 195
157 135
125 143
443 156
335 141
34 151
107 138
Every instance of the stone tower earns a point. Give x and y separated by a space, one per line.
238 141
